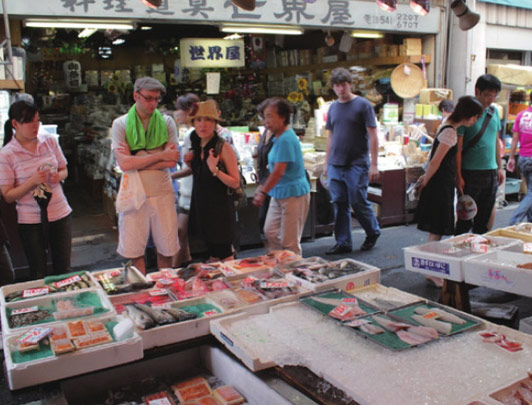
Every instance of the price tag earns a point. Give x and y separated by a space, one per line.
158 292
35 292
114 273
165 281
340 311
479 247
527 248
271 284
210 313
430 315
169 273
68 281
24 310
160 305
34 335
351 300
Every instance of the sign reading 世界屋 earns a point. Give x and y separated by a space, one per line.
201 52
340 14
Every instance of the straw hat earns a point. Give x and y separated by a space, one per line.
407 80
204 109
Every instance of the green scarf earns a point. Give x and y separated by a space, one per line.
155 136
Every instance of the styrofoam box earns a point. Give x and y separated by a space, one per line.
181 331
525 325
135 276
45 301
431 258
498 270
11 288
512 232
70 364
369 275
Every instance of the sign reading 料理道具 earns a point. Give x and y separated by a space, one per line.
341 14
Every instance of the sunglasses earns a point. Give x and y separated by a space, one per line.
150 99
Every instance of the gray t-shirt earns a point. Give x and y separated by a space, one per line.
347 123
155 182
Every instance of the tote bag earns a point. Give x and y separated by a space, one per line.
131 194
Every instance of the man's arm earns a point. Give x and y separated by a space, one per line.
158 160
500 168
459 179
374 152
327 151
513 148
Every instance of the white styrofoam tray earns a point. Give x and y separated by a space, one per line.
46 301
498 270
442 259
69 364
369 275
11 288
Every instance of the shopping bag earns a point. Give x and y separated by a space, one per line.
131 194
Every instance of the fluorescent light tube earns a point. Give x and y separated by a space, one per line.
81 24
366 34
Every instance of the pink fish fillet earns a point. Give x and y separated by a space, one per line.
412 338
392 326
371 329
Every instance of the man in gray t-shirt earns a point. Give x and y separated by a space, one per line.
352 130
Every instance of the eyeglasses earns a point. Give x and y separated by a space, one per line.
150 99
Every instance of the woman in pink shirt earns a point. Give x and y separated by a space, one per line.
31 162
522 134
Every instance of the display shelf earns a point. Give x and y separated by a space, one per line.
12 84
382 61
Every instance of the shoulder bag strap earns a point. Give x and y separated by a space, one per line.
477 137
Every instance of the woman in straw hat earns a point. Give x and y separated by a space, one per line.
212 209
435 210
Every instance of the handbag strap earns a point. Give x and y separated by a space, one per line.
477 137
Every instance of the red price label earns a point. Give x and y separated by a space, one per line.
35 292
159 291
165 281
340 310
430 315
34 335
24 310
351 300
68 281
210 313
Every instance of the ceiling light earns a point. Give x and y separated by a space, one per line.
118 41
80 24
87 32
248 5
152 3
366 34
387 5
262 29
422 7
145 28
233 36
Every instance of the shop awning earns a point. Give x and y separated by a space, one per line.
511 3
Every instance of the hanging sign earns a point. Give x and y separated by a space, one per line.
212 53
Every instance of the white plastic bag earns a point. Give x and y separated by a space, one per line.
131 194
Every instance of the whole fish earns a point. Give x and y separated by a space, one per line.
442 327
141 318
180 315
442 315
161 317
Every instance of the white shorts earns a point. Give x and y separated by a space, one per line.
159 215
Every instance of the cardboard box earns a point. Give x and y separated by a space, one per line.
498 270
413 46
434 96
512 74
66 365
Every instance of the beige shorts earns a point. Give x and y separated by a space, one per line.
159 215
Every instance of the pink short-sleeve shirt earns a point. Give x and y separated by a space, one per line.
523 126
18 164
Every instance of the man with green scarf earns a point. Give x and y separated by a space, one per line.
146 141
